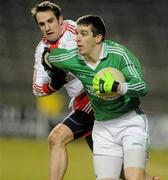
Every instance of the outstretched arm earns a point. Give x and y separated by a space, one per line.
58 76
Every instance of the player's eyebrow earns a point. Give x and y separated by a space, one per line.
48 20
83 31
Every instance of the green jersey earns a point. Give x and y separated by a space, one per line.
112 55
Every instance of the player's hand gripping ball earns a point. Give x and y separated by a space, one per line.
106 81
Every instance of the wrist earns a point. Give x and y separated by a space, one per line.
122 88
115 86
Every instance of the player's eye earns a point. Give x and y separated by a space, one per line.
41 24
51 20
83 33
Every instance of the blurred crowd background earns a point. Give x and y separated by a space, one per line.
141 25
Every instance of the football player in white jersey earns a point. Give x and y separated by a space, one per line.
60 33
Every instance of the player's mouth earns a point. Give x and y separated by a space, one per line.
79 46
49 33
81 49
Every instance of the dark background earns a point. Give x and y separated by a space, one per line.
141 25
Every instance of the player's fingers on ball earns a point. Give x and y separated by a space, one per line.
107 74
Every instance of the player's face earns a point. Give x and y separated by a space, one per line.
86 42
49 25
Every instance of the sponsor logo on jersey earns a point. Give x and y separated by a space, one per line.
81 76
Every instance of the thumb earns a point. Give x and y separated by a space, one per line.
46 59
96 79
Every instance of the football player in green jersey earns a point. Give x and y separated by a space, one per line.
120 132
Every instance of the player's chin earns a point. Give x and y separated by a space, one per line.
81 52
51 38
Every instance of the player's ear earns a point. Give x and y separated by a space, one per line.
61 19
99 38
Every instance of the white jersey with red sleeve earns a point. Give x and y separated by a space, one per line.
40 77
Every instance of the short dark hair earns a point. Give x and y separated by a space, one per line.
45 6
98 26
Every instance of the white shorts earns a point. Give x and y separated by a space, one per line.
114 137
